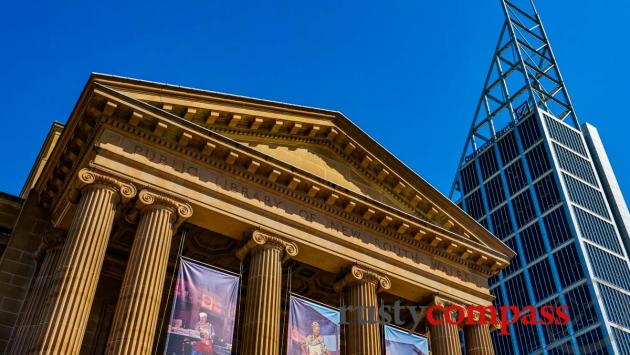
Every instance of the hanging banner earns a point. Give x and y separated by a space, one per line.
204 311
399 342
313 328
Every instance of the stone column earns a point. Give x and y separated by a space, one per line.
478 340
261 326
48 253
80 262
137 311
444 336
363 336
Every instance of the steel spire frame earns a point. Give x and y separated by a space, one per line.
523 76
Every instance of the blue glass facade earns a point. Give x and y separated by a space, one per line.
536 188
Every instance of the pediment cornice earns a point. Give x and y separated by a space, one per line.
255 117
329 129
108 106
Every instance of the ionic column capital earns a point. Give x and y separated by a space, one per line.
149 199
492 320
439 300
444 303
260 239
88 177
474 315
358 274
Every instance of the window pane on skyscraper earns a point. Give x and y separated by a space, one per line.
553 332
501 222
527 337
515 176
529 131
523 208
533 243
557 227
516 290
542 280
494 192
547 192
508 148
569 265
597 230
469 178
565 135
474 204
515 263
488 163
581 307
592 343
575 164
537 161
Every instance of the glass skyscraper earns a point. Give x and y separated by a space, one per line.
547 190
542 183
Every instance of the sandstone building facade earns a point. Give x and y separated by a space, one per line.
144 172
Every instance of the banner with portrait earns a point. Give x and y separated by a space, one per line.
313 328
400 341
204 311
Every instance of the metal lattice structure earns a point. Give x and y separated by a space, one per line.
523 75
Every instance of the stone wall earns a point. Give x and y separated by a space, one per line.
17 265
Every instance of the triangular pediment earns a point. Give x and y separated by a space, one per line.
322 161
322 143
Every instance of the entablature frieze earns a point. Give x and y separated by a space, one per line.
284 201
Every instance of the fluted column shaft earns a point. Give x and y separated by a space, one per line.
478 340
137 311
444 337
80 264
363 337
261 326
27 330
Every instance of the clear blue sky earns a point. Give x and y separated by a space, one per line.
409 73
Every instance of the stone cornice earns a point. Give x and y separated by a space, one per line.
69 151
334 130
222 112
221 152
136 85
260 239
360 274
